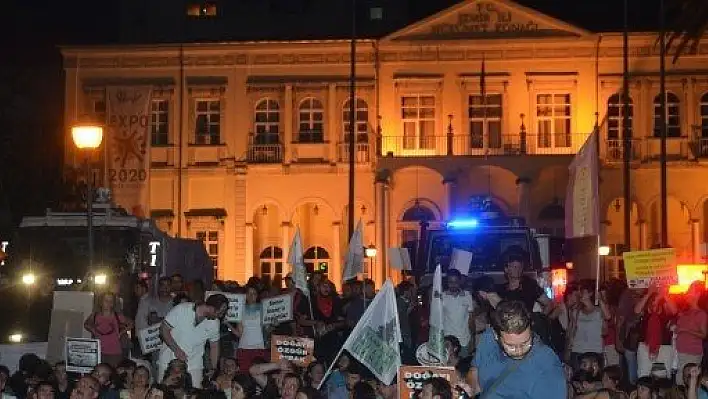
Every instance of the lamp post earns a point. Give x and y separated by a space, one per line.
603 251
87 137
370 253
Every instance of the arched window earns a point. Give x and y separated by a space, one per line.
615 115
362 120
418 213
704 117
271 260
311 121
410 226
317 259
267 122
673 115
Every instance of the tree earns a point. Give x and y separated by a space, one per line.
689 24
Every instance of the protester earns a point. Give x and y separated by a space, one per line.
111 328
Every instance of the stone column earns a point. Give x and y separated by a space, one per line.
289 122
523 191
642 234
696 240
450 184
336 264
248 271
285 234
332 133
386 211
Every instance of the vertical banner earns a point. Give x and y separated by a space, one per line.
128 142
582 217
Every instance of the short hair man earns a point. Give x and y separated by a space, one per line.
458 308
512 362
186 330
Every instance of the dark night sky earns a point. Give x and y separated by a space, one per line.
31 76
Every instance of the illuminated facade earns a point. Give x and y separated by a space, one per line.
258 128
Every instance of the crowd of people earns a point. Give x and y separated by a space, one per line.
505 340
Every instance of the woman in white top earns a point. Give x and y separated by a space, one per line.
251 344
586 323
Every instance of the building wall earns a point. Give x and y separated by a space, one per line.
254 194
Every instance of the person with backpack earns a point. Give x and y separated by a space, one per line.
111 328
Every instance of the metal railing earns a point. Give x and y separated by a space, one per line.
361 154
265 153
488 145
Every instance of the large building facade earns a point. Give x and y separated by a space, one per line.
484 99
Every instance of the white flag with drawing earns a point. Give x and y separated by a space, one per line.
375 340
354 263
297 261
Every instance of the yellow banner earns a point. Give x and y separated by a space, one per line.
656 266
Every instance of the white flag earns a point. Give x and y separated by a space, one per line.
436 343
354 263
297 261
375 340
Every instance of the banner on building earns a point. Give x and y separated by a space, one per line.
656 266
411 378
582 218
299 350
128 146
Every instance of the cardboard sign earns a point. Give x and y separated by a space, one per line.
411 378
149 338
82 355
237 303
656 266
298 350
277 309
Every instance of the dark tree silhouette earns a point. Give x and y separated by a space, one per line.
688 24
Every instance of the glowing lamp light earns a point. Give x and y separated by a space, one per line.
100 279
370 251
28 279
16 338
87 136
463 223
687 274
559 282
603 250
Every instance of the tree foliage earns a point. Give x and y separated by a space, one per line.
689 23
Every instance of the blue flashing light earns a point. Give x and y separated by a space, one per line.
463 223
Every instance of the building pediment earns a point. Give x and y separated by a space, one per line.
486 19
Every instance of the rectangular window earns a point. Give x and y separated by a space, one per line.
159 125
208 129
418 115
553 117
210 238
485 118
98 109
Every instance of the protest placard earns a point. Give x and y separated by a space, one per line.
411 378
82 355
656 266
298 350
237 303
277 309
149 338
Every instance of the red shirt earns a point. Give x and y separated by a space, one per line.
691 320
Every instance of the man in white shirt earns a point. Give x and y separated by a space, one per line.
185 331
458 306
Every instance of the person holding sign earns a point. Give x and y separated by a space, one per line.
251 343
691 326
185 332
655 354
110 327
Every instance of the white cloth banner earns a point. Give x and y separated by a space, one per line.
297 261
399 258
128 146
436 336
355 255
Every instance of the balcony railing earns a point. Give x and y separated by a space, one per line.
700 147
491 145
361 154
613 150
265 153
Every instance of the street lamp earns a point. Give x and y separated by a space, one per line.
603 250
88 136
370 253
